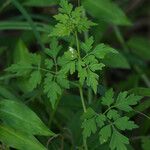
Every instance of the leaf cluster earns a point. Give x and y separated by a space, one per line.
70 20
112 121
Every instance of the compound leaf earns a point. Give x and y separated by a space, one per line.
124 102
20 69
123 123
92 80
108 98
118 141
52 89
65 7
34 80
70 20
63 81
89 127
54 48
49 64
104 134
96 66
88 44
100 120
88 114
113 114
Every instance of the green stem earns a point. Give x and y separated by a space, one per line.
77 42
86 36
39 68
56 67
146 116
46 70
82 98
80 87
108 109
85 144
90 95
139 137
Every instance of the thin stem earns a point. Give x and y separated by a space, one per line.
82 98
90 95
55 61
77 42
108 109
43 69
139 137
84 109
142 114
133 110
86 36
85 144
53 137
86 56
80 87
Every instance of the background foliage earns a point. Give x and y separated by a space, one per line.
39 112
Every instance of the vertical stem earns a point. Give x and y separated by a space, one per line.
84 109
77 42
90 94
80 87
55 62
82 98
85 144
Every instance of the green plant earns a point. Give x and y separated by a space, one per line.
73 62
